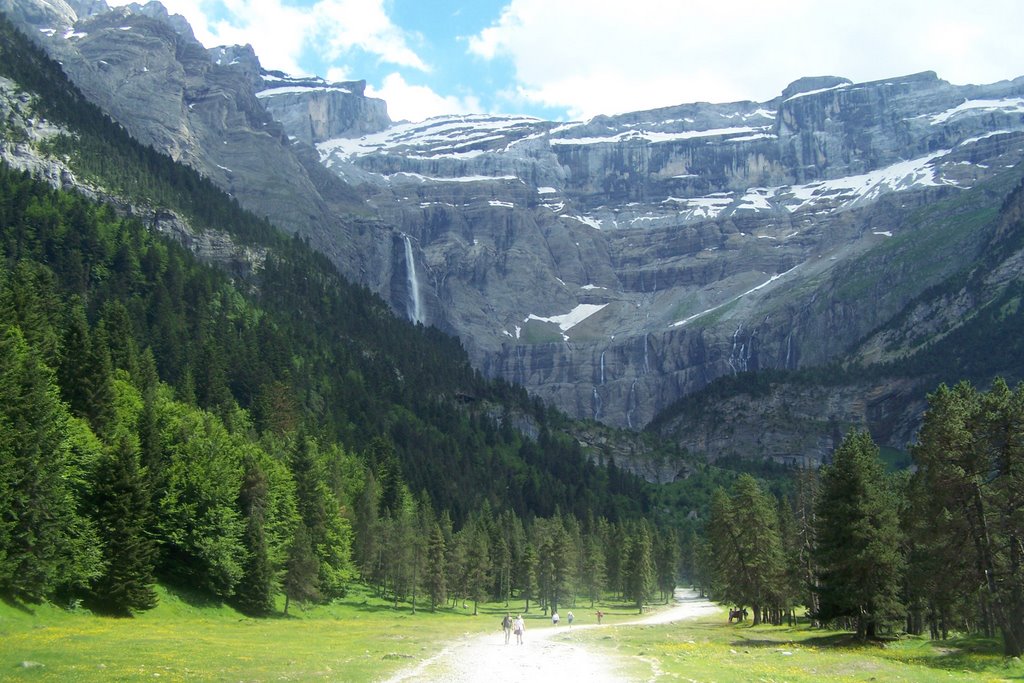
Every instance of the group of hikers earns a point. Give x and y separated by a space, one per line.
516 625
508 624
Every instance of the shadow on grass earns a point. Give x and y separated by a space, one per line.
831 641
973 653
191 596
16 604
969 654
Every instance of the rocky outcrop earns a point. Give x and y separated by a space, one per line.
799 423
313 111
24 137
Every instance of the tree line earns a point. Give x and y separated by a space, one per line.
938 549
410 554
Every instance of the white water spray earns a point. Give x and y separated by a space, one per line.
631 404
414 286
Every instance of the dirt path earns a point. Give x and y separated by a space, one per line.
549 653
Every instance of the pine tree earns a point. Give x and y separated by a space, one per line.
330 534
528 575
44 542
257 586
747 562
434 581
970 484
594 579
85 372
639 566
121 508
478 564
366 538
666 562
859 539
302 575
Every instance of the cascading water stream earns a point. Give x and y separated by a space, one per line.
631 404
414 286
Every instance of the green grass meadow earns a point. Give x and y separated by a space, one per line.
709 649
359 638
363 638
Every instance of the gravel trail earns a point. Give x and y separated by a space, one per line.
548 652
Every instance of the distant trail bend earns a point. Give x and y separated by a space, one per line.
544 656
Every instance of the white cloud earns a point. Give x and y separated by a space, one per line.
339 73
344 24
417 102
651 53
280 32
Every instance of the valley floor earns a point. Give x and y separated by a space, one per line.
548 652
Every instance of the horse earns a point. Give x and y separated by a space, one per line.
737 614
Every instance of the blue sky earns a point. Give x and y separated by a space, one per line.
574 59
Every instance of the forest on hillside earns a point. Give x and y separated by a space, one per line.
251 433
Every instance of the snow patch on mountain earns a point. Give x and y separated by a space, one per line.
1010 105
569 320
655 137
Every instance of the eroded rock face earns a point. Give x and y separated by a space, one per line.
616 265
611 266
313 111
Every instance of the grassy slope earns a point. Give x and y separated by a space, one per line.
365 639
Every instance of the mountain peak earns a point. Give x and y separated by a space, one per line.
811 83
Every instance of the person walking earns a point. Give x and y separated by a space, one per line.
570 617
506 626
554 619
519 626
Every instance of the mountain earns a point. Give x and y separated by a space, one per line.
618 265
167 286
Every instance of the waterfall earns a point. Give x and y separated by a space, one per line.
647 364
597 405
602 368
520 367
414 286
738 357
631 404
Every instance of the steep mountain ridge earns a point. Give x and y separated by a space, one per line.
146 69
611 266
615 265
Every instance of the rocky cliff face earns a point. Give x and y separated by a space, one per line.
312 110
611 266
616 265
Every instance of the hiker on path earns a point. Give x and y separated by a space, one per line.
519 626
506 626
